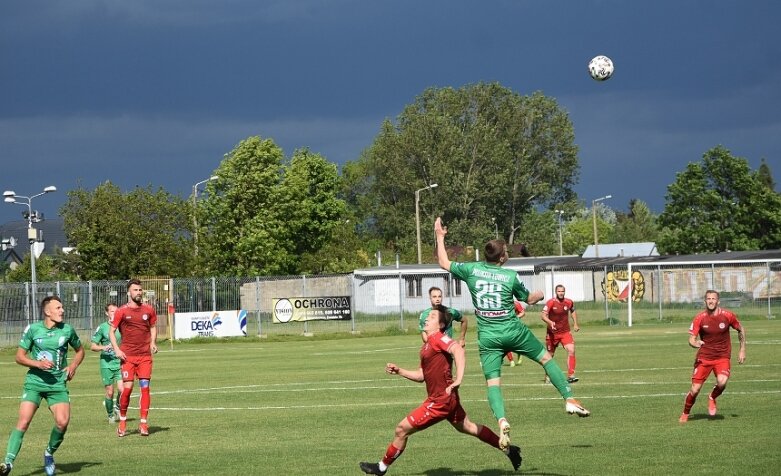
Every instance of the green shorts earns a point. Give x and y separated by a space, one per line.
494 341
109 376
54 396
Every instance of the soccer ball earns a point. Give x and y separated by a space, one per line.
600 68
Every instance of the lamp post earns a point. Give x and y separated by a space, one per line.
496 227
195 211
32 234
561 240
594 221
417 215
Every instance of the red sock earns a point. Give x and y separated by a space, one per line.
488 436
714 394
145 400
391 454
689 403
124 402
510 356
570 366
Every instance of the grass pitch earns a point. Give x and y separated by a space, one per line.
319 406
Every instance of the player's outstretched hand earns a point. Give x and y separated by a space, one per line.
439 229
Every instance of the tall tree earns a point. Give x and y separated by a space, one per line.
492 152
638 225
119 235
765 176
717 205
264 213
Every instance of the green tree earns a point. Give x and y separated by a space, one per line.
765 176
492 152
264 214
638 225
719 204
119 235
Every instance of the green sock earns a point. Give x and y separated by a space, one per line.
55 440
109 404
495 401
557 378
14 445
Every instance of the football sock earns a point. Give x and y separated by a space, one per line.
689 403
55 440
495 401
571 365
109 404
14 445
488 436
510 356
714 394
557 378
124 402
145 401
391 455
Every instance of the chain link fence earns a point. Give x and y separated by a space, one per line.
388 299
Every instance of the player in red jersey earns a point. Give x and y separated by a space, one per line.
709 333
556 315
436 359
136 322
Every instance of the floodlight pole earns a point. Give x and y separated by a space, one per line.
594 221
417 216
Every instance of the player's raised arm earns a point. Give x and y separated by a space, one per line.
441 231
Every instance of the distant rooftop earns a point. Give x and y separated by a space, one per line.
620 250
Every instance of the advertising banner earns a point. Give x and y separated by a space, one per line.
297 309
210 324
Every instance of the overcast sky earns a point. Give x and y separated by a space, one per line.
143 92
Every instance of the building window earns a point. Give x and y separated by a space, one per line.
414 286
456 287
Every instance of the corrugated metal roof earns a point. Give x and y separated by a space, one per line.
622 249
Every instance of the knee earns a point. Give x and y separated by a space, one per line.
400 432
62 423
545 358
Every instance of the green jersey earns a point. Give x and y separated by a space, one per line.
50 344
108 359
492 288
454 313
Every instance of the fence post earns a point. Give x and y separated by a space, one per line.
303 294
769 283
90 304
214 294
401 302
352 302
659 280
257 304
629 296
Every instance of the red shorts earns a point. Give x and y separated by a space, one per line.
553 340
137 366
431 412
703 368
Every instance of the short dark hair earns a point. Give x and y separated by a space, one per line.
711 291
494 250
445 319
45 301
133 281
432 289
109 304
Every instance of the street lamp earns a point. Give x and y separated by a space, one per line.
417 215
594 221
496 227
195 212
561 241
32 234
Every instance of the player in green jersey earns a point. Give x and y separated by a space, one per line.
435 296
499 330
44 349
109 363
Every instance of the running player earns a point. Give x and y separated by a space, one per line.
109 363
499 329
556 315
709 334
436 359
44 349
136 322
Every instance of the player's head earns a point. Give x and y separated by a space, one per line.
496 252
711 300
135 292
441 317
560 291
435 295
51 308
110 309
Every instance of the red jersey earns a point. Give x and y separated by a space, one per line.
436 363
558 312
134 323
713 330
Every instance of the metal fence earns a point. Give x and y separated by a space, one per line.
387 298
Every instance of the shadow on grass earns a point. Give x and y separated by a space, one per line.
67 468
488 472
